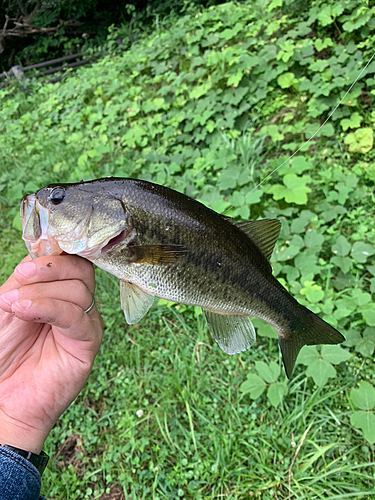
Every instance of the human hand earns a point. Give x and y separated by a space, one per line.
47 345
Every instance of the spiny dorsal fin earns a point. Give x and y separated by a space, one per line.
263 233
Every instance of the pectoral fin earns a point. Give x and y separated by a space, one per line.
134 302
157 254
234 334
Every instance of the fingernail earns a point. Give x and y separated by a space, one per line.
10 297
22 305
27 269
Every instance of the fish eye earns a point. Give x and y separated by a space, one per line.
57 195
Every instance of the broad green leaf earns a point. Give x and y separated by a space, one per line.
313 239
352 338
361 298
363 397
365 346
353 122
334 354
369 316
327 130
16 223
254 385
312 291
296 165
344 263
286 80
308 354
361 251
369 333
286 252
322 44
306 264
360 141
264 329
228 178
274 4
297 188
292 273
341 247
344 307
353 24
269 372
299 224
82 160
328 13
294 191
273 131
235 79
320 370
16 192
366 421
275 393
200 90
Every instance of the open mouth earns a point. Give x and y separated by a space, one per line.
34 228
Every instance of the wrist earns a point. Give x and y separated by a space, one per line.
22 436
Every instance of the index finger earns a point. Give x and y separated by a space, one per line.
55 268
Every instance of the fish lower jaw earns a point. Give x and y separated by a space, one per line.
43 247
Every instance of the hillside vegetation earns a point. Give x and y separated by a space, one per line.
212 107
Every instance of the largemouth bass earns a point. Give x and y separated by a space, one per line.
159 242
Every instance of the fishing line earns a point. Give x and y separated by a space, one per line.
321 126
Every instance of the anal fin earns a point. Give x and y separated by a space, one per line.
134 302
234 334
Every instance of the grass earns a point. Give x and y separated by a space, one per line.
196 436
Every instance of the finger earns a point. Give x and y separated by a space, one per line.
68 318
74 291
56 268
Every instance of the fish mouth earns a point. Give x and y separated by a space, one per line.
35 220
42 238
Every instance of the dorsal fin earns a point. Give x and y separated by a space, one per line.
263 233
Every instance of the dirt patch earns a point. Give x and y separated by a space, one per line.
67 453
116 493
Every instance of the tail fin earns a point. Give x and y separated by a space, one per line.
312 330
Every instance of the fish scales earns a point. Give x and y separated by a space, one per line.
219 254
160 242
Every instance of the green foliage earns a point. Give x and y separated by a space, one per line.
360 141
320 366
364 419
364 344
294 189
268 377
211 107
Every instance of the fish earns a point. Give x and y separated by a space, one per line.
160 242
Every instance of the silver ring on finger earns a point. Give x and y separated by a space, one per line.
91 306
